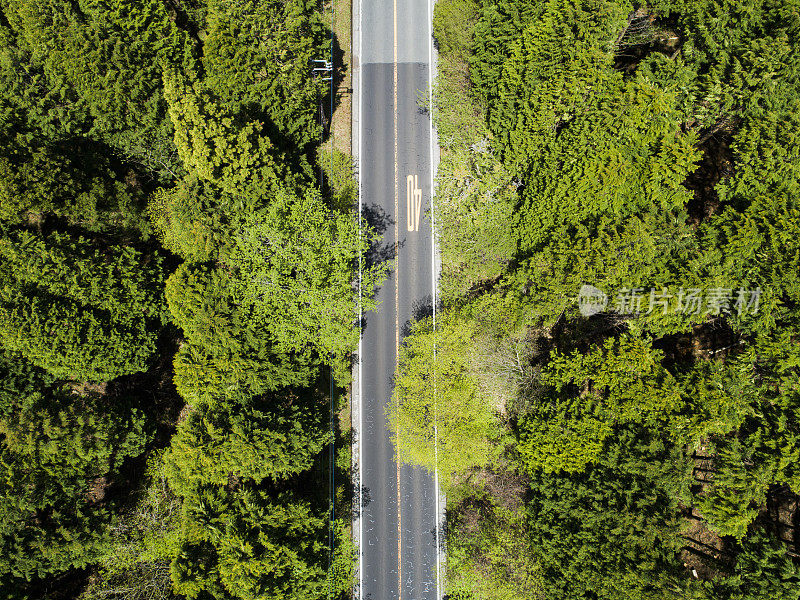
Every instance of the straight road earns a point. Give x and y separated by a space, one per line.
399 503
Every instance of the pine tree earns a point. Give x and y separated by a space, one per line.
246 544
274 437
612 532
58 451
78 310
256 59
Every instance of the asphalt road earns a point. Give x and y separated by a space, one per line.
399 502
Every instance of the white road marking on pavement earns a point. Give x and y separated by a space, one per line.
433 303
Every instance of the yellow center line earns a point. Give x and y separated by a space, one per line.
397 306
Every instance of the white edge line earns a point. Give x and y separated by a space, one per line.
360 259
433 301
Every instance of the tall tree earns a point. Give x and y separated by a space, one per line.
256 57
295 265
76 309
247 544
623 381
229 353
612 532
273 437
60 451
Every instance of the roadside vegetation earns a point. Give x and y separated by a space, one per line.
176 296
647 448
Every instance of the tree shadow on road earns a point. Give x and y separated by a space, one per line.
379 222
422 308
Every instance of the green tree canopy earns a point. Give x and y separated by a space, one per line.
77 308
439 418
295 266
623 381
228 353
766 449
612 532
274 437
256 57
59 450
248 544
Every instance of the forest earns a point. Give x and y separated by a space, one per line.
177 248
616 357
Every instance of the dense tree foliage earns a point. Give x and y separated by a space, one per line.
249 544
59 451
439 405
77 310
274 438
624 381
646 155
168 240
226 353
610 532
267 76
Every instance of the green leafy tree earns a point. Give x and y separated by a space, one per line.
555 68
766 448
71 342
76 179
143 541
226 354
757 249
763 570
637 161
104 60
738 491
453 23
499 25
295 267
123 280
636 147
187 221
488 553
439 418
217 148
613 530
476 198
